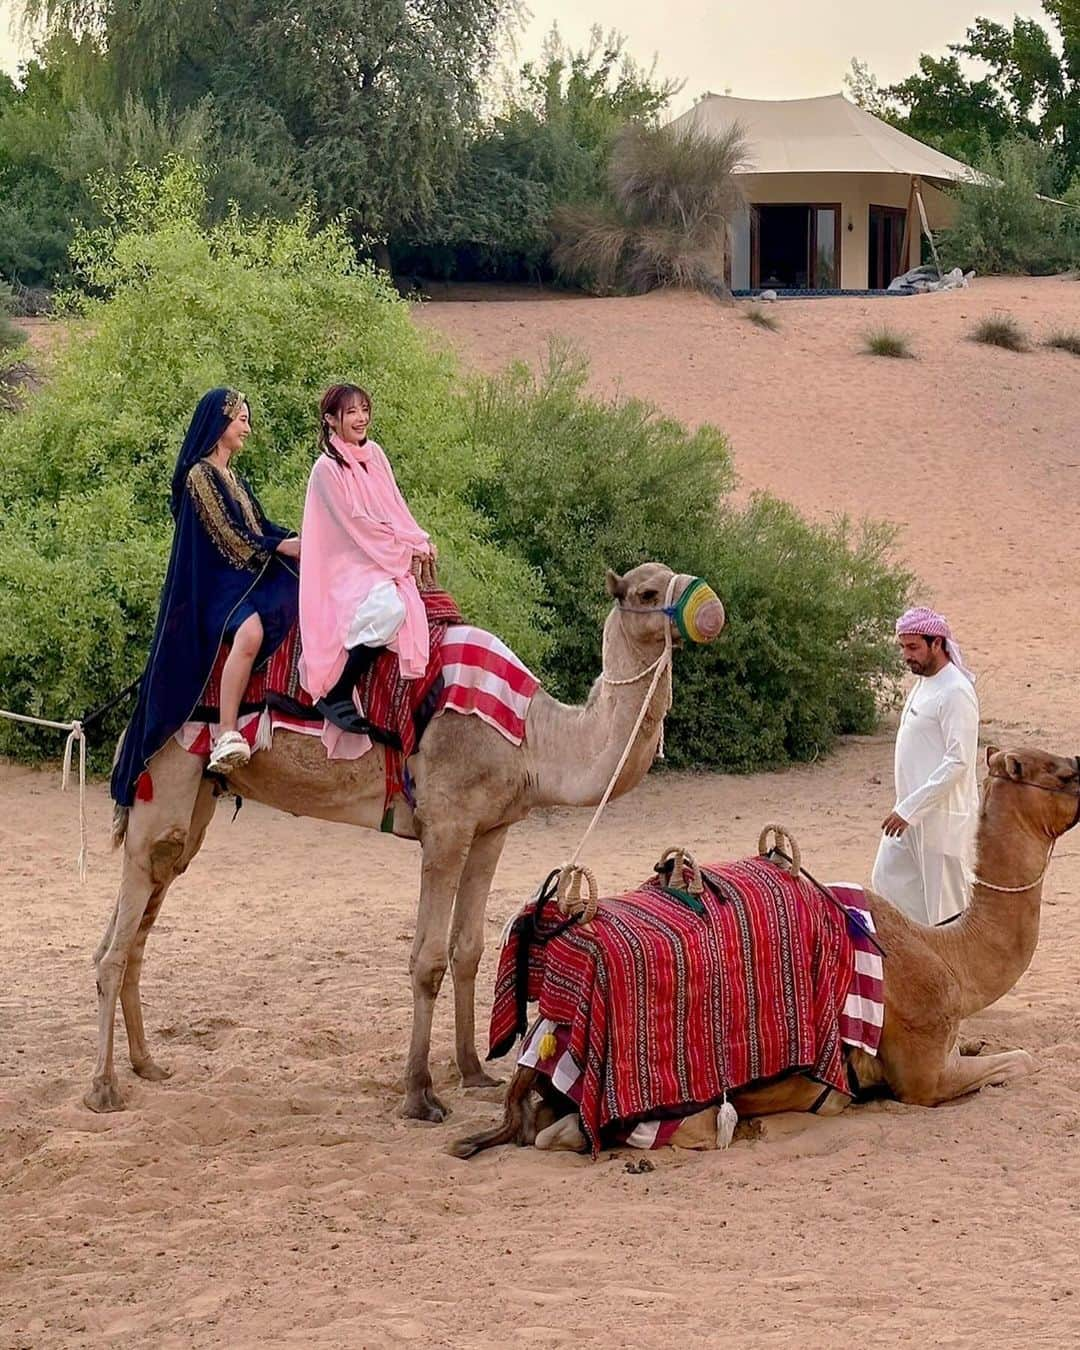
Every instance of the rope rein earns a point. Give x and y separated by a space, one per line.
662 663
76 734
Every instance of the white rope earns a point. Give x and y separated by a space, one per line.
1013 890
662 663
75 734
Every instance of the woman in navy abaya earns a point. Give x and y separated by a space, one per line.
232 578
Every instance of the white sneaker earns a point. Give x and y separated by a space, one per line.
230 752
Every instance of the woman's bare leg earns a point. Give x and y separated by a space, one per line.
237 671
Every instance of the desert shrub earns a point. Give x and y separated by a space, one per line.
1065 341
673 192
761 318
278 309
577 484
887 342
1000 330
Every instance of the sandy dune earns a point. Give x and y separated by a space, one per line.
269 1194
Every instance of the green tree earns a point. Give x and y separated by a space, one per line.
550 144
365 104
1027 87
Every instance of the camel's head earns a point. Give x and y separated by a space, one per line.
652 598
1055 805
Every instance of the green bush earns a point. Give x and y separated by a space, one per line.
1002 225
578 485
278 309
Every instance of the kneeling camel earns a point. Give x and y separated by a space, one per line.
934 977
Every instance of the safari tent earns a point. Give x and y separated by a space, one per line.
836 198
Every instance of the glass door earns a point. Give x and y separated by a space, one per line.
824 248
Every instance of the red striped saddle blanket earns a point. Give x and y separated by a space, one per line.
470 671
656 1010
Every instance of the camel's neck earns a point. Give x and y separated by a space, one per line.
992 944
574 751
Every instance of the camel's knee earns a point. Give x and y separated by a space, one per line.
428 970
465 954
165 854
110 973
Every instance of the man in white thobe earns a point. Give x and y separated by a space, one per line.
923 860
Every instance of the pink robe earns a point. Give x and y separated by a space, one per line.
357 532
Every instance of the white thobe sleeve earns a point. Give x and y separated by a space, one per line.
960 727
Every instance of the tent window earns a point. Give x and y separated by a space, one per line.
796 247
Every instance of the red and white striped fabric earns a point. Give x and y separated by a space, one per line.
481 677
546 1045
864 1008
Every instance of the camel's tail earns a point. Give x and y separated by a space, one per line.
512 1129
120 813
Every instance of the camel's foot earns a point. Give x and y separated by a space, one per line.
153 1073
103 1096
424 1105
478 1078
971 1045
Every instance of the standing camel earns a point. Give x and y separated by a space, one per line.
933 977
471 785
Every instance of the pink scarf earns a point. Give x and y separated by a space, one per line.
357 532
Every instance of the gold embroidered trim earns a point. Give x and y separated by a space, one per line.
210 506
243 500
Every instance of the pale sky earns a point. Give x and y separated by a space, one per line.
757 49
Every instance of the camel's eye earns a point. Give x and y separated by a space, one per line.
649 597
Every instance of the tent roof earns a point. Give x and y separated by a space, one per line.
820 135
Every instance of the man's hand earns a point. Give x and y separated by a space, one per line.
894 825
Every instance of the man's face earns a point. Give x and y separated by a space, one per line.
920 656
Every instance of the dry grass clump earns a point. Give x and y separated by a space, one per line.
761 318
672 194
1001 330
887 342
1065 341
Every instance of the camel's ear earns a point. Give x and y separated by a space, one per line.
616 585
1014 767
991 751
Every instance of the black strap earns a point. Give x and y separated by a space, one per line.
848 914
527 927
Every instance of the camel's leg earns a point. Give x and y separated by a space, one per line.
141 1060
467 947
963 1074
156 839
567 1134
445 850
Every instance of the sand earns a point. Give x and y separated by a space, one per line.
268 1194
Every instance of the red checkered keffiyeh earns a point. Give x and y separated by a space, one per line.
666 1009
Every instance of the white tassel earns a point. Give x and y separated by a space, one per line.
726 1120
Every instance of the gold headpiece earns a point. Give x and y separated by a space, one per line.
234 401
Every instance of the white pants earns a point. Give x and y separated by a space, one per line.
927 886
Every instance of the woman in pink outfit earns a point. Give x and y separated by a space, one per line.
358 588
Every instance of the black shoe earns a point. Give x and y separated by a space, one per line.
343 714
